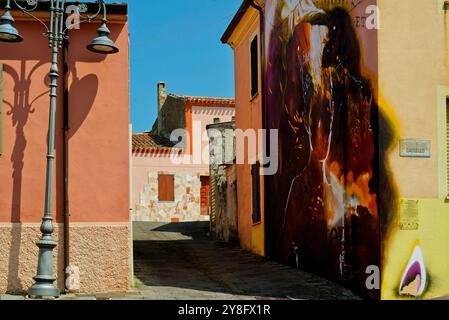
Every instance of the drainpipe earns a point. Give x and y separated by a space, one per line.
66 160
264 122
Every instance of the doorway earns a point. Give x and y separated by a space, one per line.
205 196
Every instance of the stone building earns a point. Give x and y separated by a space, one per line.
223 196
169 190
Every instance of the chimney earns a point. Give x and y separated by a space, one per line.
161 97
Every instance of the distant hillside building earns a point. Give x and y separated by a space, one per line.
164 191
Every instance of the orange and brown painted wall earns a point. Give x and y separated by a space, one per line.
322 97
98 159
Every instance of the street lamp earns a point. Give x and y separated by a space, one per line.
56 33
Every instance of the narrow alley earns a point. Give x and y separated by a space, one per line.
178 261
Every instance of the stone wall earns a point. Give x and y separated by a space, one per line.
102 252
226 226
224 184
172 116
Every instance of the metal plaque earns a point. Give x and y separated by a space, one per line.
415 148
409 216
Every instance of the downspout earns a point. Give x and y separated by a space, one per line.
264 122
66 160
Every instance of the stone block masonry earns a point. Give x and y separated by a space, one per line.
185 208
101 251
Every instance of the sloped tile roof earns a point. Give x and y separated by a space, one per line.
147 142
207 101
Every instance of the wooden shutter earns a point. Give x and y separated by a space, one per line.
254 67
257 215
166 188
205 196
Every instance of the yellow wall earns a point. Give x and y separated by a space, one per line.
413 85
433 237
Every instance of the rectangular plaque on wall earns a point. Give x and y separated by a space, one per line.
415 148
409 216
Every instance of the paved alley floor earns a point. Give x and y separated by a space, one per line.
179 261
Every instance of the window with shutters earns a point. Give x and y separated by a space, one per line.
254 67
166 188
257 215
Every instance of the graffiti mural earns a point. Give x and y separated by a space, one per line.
322 95
414 279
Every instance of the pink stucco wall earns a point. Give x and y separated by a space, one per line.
98 119
206 116
99 129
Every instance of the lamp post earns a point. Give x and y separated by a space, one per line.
56 33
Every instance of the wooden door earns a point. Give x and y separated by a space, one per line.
205 196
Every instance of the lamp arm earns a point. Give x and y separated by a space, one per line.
33 3
28 11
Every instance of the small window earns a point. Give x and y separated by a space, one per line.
166 188
257 215
254 67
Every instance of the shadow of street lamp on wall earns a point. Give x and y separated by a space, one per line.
56 33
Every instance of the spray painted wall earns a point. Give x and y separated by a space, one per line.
333 190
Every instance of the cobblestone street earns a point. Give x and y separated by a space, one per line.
179 261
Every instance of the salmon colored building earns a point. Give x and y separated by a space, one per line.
244 36
91 178
164 190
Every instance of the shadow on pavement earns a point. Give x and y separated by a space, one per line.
182 256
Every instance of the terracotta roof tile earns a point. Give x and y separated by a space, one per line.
146 142
207 101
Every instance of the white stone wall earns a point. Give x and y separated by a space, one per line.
185 208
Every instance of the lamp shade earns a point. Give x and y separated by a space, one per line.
7 31
103 44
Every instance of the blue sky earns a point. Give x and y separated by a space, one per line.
178 41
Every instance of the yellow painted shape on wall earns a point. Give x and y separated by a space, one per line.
433 237
258 239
